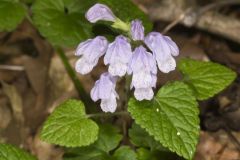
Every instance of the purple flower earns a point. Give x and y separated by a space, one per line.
118 55
144 70
104 89
90 52
137 30
100 12
163 49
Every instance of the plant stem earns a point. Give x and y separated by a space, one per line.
72 74
107 114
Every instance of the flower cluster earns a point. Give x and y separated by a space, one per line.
122 59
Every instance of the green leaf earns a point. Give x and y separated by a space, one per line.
140 138
62 22
171 118
206 78
127 11
144 154
28 2
86 153
69 126
10 152
124 153
12 13
108 139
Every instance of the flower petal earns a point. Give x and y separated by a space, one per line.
137 30
95 92
118 56
174 48
104 89
90 52
100 12
83 66
142 60
142 80
118 69
109 105
143 93
167 65
163 49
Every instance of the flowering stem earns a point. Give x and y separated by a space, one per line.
107 114
127 91
119 24
72 74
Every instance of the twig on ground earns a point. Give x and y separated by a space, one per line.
233 138
12 67
199 17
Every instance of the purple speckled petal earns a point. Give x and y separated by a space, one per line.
118 56
84 66
110 104
104 89
137 30
95 92
143 93
167 65
100 12
142 61
163 49
174 48
144 70
90 52
142 79
154 80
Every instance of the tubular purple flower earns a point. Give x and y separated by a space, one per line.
90 52
137 30
144 70
104 90
100 12
163 48
118 56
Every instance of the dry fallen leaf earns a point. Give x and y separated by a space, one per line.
43 150
15 100
5 114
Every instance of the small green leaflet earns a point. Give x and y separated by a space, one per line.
10 152
12 13
171 118
86 153
69 126
108 139
144 154
124 153
206 78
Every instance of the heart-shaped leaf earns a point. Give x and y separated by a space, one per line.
206 78
69 126
171 118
